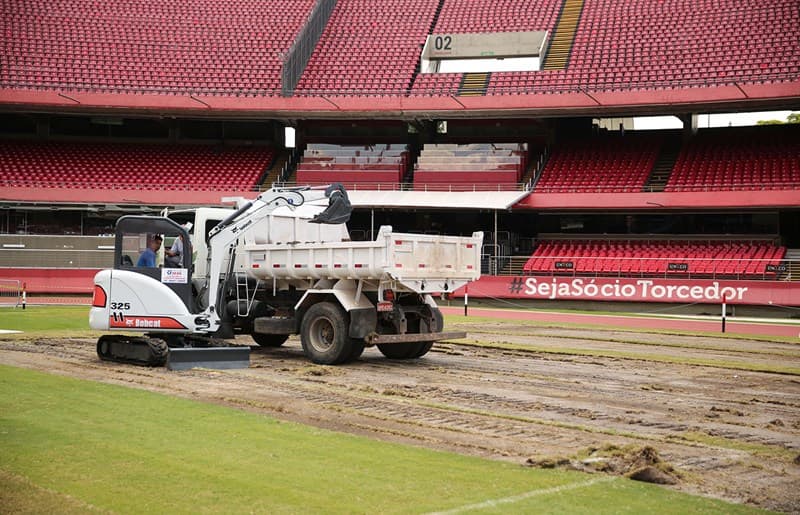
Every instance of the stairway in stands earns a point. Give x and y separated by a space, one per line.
662 169
515 266
272 173
564 35
432 27
474 84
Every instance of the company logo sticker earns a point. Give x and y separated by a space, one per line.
174 275
121 321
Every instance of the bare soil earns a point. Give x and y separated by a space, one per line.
602 401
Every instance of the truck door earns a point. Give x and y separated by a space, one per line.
140 246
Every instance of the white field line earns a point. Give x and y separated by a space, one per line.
491 503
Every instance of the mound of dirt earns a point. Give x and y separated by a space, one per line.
637 463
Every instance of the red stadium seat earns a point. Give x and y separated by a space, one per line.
615 257
132 166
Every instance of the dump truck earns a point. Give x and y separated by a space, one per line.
279 265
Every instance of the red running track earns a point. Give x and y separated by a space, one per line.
638 322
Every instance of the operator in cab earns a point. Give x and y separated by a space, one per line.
148 256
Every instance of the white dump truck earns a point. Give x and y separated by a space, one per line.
279 265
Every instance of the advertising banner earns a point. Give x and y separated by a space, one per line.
628 289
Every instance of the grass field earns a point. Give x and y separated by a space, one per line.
69 445
46 319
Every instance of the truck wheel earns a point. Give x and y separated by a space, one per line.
405 350
358 349
324 334
269 340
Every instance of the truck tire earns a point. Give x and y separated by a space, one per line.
358 349
324 334
416 349
405 350
269 340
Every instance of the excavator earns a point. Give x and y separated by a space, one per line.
181 322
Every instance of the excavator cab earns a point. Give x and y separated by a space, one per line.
134 235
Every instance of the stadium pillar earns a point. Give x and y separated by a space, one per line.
689 121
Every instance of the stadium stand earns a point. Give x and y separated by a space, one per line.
131 166
609 163
475 166
496 16
729 258
760 159
672 43
230 48
437 83
379 166
236 49
369 47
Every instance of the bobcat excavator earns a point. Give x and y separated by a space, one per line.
278 265
181 323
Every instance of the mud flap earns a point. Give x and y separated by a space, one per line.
221 358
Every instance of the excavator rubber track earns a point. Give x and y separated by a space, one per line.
136 350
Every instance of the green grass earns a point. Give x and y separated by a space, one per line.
46 319
77 445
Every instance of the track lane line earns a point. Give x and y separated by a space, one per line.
492 503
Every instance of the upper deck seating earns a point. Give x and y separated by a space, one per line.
459 17
235 48
365 165
666 257
672 43
602 164
481 166
369 47
758 159
131 166
232 47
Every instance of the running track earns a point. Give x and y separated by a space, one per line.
766 328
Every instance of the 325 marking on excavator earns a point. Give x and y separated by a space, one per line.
124 306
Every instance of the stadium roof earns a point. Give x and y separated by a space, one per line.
493 200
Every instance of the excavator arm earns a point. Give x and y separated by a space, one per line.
221 240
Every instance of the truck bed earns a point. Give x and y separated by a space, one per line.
413 259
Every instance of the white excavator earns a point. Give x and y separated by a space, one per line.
278 265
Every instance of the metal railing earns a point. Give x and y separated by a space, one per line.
409 186
786 269
386 186
297 56
295 69
698 187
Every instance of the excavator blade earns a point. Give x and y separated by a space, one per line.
220 358
339 207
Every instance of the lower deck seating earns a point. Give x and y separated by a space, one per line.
758 158
608 163
131 166
380 165
475 166
661 258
